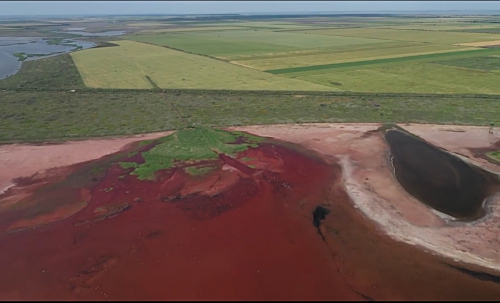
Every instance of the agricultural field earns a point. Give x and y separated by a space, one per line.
248 59
336 52
231 44
478 74
441 26
140 65
343 54
435 37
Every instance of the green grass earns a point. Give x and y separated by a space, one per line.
494 155
198 171
481 63
341 54
31 116
379 61
190 144
20 56
413 77
210 46
43 115
55 41
401 109
57 72
127 165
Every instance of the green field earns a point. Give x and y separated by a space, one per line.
230 44
443 26
53 115
487 63
327 56
314 68
435 37
173 72
413 77
135 65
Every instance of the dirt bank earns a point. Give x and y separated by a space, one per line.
369 180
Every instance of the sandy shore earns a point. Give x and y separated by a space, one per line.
23 160
369 181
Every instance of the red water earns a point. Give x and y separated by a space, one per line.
244 231
249 238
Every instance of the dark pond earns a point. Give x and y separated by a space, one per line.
32 49
438 179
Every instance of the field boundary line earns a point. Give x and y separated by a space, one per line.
152 82
180 50
195 54
175 109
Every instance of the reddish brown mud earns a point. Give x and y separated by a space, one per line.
272 223
236 233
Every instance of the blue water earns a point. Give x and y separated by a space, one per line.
9 64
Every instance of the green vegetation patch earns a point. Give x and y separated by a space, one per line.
191 144
198 171
20 56
57 72
34 116
494 155
55 41
127 165
45 115
482 63
490 30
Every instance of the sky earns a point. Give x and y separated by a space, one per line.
27 8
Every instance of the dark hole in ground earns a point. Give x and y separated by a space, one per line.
319 215
439 179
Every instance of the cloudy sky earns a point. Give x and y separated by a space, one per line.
219 7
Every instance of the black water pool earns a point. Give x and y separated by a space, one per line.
439 179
